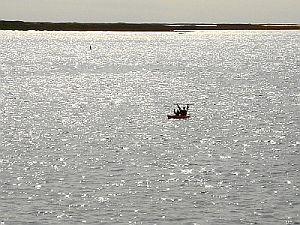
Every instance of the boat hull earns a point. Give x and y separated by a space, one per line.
178 117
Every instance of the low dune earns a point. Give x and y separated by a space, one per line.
47 26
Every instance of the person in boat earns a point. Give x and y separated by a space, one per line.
176 112
183 111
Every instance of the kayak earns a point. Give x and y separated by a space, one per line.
178 116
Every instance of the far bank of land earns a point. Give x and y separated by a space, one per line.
47 26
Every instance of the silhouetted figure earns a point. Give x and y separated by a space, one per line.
176 112
90 47
183 111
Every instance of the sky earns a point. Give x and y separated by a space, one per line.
141 11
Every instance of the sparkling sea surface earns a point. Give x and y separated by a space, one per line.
85 139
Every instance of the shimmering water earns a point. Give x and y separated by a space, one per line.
85 137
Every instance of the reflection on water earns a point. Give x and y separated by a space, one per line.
85 137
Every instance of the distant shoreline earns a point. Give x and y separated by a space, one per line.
47 26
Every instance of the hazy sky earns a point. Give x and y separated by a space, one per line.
200 11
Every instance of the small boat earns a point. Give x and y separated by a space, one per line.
178 116
180 113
